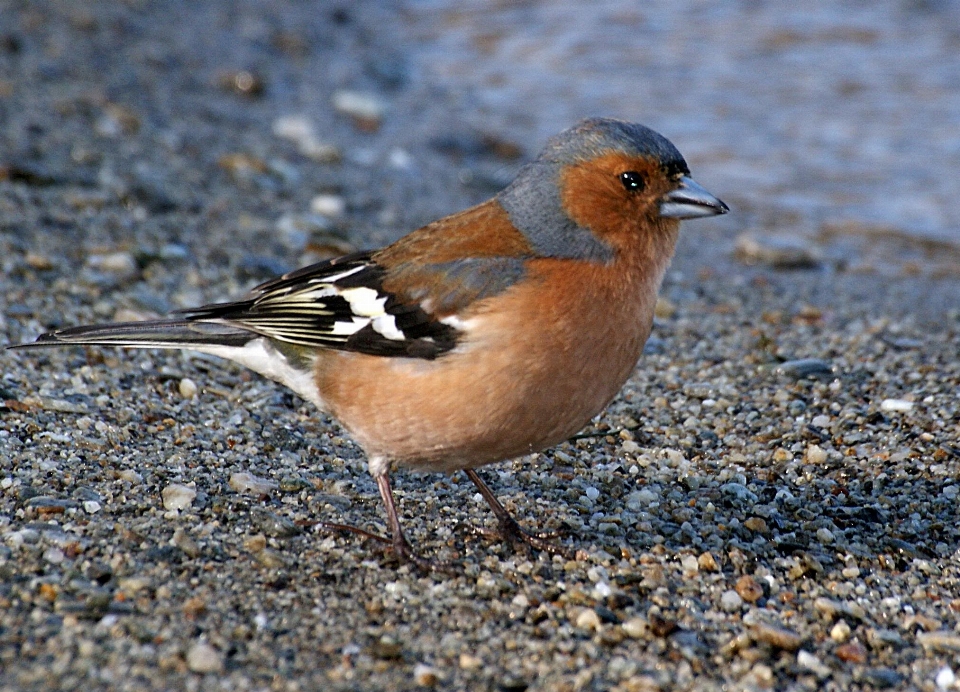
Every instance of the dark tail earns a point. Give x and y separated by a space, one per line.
148 334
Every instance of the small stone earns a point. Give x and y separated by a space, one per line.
825 536
588 619
188 388
386 648
185 543
815 454
425 676
808 661
731 601
757 524
832 608
203 658
941 641
470 662
273 524
359 104
122 264
177 497
54 556
91 506
802 368
779 252
749 589
945 678
244 482
635 628
851 652
331 206
592 493
708 563
779 637
840 632
896 405
882 678
690 564
256 543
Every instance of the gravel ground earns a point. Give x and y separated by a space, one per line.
771 503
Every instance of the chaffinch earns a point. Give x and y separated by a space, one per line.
489 334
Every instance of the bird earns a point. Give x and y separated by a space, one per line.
489 334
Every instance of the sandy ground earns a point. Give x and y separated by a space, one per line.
771 503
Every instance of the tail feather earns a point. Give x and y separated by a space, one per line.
147 334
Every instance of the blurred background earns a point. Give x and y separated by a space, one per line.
828 127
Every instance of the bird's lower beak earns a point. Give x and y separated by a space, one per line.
690 201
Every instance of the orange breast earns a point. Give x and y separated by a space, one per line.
538 362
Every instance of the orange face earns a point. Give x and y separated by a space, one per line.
616 196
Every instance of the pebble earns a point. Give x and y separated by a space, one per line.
779 252
708 563
425 676
882 678
188 388
588 619
91 506
840 632
815 454
121 264
300 131
832 608
386 648
244 482
749 589
774 635
896 405
470 662
272 524
851 652
805 368
946 678
635 628
731 601
331 206
359 104
177 497
809 661
204 658
941 641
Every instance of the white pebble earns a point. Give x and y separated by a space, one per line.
91 506
731 601
188 388
815 454
119 263
629 447
602 590
825 535
588 619
244 482
946 678
203 658
840 632
896 405
331 206
690 564
807 660
54 556
592 493
821 421
359 104
177 496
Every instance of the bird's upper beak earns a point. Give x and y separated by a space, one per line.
690 201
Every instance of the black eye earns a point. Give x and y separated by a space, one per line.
632 180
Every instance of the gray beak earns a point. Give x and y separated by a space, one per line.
690 201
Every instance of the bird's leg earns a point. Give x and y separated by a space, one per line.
510 530
401 547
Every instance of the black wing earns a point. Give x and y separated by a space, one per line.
338 304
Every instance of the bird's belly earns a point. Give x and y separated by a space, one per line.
468 409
